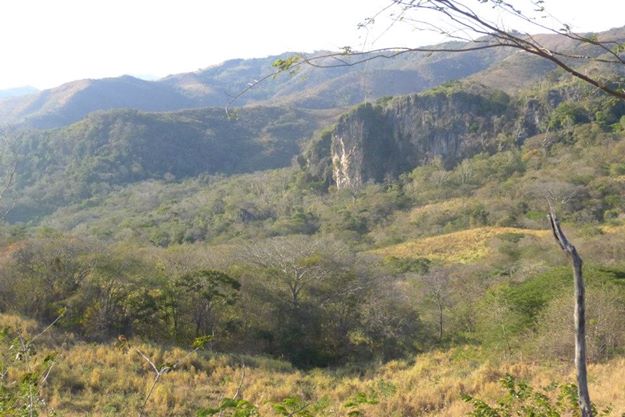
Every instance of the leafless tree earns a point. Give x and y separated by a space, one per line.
438 287
296 262
579 315
467 21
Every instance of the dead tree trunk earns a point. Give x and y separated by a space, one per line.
579 315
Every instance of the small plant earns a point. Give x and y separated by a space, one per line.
24 372
296 407
355 404
159 370
522 400
231 407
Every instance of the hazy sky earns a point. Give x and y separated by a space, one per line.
48 42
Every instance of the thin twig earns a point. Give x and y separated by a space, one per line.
45 377
47 328
158 374
238 391
147 397
236 394
147 359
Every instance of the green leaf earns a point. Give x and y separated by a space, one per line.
201 342
287 64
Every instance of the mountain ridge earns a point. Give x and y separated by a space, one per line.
308 88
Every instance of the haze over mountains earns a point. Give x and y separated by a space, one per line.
215 86
105 133
17 92
309 88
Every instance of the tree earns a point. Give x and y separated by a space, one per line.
8 183
308 297
579 316
41 275
297 262
438 289
197 296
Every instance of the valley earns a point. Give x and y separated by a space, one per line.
361 241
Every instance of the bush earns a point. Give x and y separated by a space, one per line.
520 399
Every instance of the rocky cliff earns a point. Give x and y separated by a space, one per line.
377 141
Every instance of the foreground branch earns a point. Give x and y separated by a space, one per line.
346 58
459 15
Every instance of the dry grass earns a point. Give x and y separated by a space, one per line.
613 229
446 207
100 381
466 246
104 380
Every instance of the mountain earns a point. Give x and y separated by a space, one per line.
310 87
215 86
314 87
379 141
110 149
72 101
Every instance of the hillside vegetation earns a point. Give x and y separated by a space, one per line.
438 259
458 247
296 260
110 149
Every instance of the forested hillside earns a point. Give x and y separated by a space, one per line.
111 149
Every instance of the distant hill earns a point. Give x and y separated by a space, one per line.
313 87
502 68
109 149
72 101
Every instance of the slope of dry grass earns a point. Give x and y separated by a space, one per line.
105 380
465 246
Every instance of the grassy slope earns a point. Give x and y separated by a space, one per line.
466 246
104 380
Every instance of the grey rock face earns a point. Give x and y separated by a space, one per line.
379 141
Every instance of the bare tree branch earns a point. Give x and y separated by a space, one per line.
341 60
158 373
460 14
475 32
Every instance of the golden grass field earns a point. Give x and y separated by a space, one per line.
465 246
105 380
436 209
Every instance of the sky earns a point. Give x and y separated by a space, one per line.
44 43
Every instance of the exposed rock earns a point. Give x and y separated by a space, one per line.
374 142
